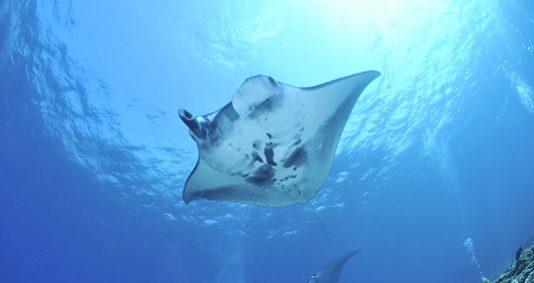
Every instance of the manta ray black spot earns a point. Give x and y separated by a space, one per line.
269 154
262 176
272 81
298 157
269 136
257 157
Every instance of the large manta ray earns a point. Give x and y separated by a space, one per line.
273 144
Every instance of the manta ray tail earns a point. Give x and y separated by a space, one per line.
320 218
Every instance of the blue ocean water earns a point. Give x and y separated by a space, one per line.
433 178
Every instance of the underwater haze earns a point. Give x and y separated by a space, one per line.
433 178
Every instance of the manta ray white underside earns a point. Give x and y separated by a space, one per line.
273 144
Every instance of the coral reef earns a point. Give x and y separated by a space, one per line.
521 270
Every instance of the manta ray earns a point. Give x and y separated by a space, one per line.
273 144
331 273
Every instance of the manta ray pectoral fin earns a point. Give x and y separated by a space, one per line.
332 272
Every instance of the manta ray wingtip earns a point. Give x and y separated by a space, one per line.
186 198
373 73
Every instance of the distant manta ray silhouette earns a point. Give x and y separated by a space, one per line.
332 272
273 144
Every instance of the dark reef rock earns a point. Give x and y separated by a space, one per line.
522 269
